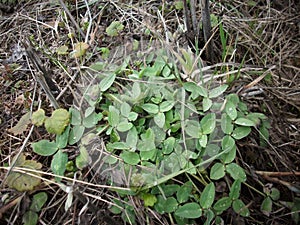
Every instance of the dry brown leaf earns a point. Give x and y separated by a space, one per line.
21 126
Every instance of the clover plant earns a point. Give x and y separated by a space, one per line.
170 141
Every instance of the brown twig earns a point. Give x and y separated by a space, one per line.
42 75
12 203
207 29
72 18
277 174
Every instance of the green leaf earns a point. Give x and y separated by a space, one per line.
203 140
132 138
178 5
227 143
168 145
136 90
208 196
184 192
244 122
149 199
212 150
132 116
75 116
235 190
38 117
150 108
113 116
89 111
98 66
208 123
189 210
38 201
240 132
217 91
89 138
170 205
110 159
236 172
234 98
44 147
106 83
125 109
58 121
170 189
124 126
209 215
92 94
159 205
159 119
76 134
192 128
91 120
266 206
230 109
222 204
118 145
166 106
129 215
148 155
229 156
104 52
195 89
117 207
83 159
147 142
256 117
62 139
62 50
114 28
251 3
206 103
275 194
226 124
217 171
58 164
171 163
240 208
30 218
131 158
22 124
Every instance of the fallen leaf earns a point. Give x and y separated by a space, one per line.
80 49
22 181
21 126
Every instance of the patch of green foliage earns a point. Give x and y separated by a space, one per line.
157 129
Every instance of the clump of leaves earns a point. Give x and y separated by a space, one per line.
114 28
160 130
31 216
22 181
156 130
55 124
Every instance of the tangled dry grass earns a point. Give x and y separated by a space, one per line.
265 36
